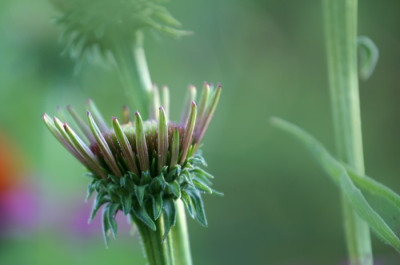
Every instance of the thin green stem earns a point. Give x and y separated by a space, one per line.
157 250
180 235
134 73
341 38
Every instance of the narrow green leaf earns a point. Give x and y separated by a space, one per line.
339 175
368 57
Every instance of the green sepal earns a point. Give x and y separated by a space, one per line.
174 188
157 203
157 184
173 173
106 225
146 178
114 179
218 193
202 186
141 213
170 216
126 203
135 178
202 178
187 201
98 202
111 212
90 189
195 196
197 160
199 171
139 192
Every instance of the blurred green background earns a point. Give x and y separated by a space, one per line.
278 208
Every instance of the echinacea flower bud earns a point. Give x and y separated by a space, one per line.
142 167
101 25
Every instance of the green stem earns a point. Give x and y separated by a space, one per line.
341 38
180 235
158 251
134 73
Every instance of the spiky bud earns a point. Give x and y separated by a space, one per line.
141 167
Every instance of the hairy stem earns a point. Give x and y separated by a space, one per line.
341 33
180 235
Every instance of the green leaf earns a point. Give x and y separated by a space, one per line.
368 57
340 176
141 213
170 216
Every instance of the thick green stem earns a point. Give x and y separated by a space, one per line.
158 251
134 73
180 235
341 38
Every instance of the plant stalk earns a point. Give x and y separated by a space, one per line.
180 235
341 41
134 73
157 250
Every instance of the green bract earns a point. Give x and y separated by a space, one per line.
143 167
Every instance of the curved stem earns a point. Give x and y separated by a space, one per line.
180 235
341 33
